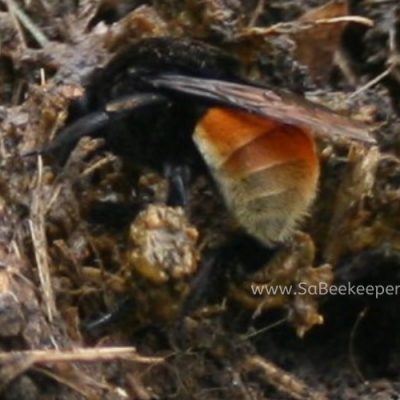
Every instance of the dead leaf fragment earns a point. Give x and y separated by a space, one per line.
316 46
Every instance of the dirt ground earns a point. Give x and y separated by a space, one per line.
74 239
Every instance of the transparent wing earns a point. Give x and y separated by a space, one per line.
286 108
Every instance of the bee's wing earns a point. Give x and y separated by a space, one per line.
286 108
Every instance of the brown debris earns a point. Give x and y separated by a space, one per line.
15 363
283 381
316 47
164 248
358 183
289 273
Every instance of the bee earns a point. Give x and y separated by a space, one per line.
184 103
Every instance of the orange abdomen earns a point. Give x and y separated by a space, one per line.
267 171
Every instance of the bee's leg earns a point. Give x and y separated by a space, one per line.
211 269
178 177
95 124
242 256
64 143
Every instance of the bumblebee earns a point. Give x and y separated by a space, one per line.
183 107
